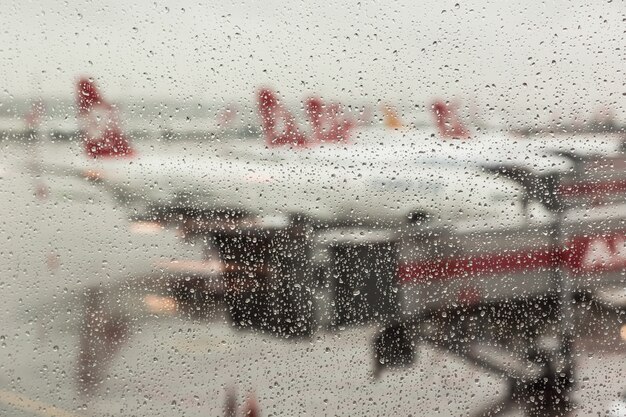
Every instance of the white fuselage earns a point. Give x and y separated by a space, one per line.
323 184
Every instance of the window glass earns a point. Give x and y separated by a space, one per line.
312 208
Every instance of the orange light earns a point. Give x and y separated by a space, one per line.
145 228
160 304
259 178
93 175
192 267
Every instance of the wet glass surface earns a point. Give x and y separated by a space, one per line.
269 209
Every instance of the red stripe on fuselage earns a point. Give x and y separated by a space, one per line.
593 188
577 258
445 269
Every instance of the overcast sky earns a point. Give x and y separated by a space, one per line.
505 55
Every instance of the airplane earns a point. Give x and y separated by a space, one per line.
452 142
331 143
593 176
569 144
355 190
577 171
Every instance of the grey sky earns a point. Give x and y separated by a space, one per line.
505 55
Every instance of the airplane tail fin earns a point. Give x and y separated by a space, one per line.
391 119
448 121
328 122
102 134
279 125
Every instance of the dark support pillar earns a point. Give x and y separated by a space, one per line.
289 290
267 277
364 279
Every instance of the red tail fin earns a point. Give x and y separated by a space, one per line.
448 121
100 128
328 123
279 125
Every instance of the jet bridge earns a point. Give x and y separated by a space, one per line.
439 267
419 284
289 276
